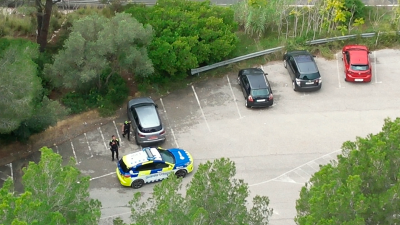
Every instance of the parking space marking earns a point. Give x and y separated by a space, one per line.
338 70
102 136
58 152
119 137
292 170
11 171
201 109
73 150
90 149
375 74
170 125
105 175
234 97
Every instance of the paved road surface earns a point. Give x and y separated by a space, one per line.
276 150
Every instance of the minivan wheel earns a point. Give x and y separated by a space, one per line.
136 139
284 63
294 86
181 173
137 184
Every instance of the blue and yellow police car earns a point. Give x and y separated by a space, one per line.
153 164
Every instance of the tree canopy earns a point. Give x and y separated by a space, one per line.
54 194
361 188
212 197
187 34
97 44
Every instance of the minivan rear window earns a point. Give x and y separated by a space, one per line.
359 67
309 76
123 166
259 92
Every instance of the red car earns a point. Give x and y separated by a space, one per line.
357 66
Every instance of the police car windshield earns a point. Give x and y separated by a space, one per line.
167 156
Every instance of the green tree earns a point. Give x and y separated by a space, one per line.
17 73
212 197
54 194
29 111
187 34
97 44
361 188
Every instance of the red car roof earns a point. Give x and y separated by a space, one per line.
358 57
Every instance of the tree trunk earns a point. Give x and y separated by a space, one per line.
43 20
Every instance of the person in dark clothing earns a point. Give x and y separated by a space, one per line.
126 129
114 145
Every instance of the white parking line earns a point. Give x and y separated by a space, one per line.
102 136
338 70
234 97
73 150
375 74
58 152
105 175
90 149
119 137
201 109
170 125
284 174
11 171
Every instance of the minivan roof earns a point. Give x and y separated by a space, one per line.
148 116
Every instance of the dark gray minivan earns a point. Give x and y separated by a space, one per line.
146 122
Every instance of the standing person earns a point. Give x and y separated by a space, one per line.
126 129
114 145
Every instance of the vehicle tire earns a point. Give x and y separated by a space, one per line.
136 139
137 184
294 86
181 173
245 103
284 63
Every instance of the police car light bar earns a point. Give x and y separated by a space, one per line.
150 155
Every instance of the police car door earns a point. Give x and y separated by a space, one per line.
162 170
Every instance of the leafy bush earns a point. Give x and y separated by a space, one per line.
107 100
188 34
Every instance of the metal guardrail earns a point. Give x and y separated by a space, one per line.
237 59
272 50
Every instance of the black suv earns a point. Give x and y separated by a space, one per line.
303 70
255 87
146 123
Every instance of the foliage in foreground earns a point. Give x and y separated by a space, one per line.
361 188
54 194
213 196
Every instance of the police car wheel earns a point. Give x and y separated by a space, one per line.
137 184
180 173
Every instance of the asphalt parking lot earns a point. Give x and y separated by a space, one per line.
275 149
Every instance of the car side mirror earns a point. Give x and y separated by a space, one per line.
342 52
156 105
369 52
314 56
265 73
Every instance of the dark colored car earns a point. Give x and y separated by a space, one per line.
357 65
255 87
303 70
146 122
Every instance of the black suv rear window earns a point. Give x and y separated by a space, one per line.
259 92
123 166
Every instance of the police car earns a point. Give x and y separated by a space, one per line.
153 164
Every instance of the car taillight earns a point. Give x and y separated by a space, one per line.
298 81
319 80
250 98
127 175
163 132
141 135
270 97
